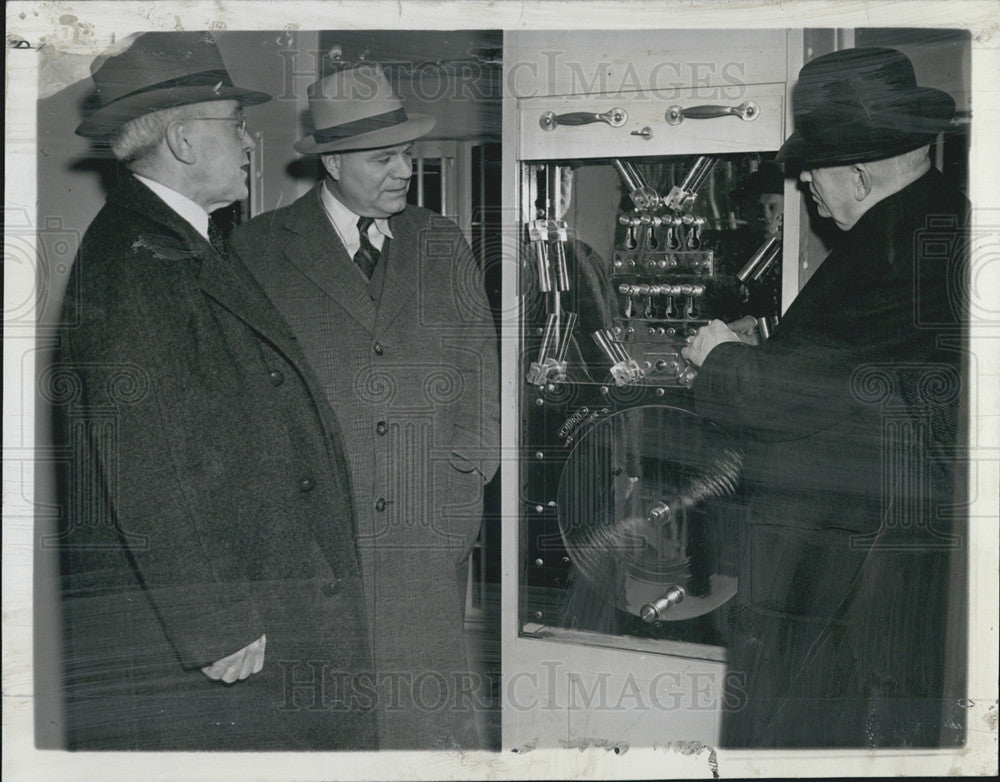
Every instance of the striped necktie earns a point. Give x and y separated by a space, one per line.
367 255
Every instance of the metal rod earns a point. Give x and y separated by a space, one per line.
603 339
566 333
561 270
542 262
764 255
548 337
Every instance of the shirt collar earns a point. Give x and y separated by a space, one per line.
184 206
346 222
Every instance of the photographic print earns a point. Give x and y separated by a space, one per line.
471 390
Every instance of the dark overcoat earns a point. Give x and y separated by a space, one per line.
206 503
850 410
412 376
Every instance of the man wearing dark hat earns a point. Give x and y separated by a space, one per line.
762 195
211 585
388 304
850 412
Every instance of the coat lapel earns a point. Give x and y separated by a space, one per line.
403 270
229 282
231 285
316 250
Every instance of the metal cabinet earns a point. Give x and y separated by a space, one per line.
627 238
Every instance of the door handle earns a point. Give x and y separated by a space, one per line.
615 117
747 111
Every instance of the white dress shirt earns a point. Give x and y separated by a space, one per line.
345 222
184 206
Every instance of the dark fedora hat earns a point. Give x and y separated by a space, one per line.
160 70
354 109
858 105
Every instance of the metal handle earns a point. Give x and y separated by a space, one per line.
659 607
615 117
747 111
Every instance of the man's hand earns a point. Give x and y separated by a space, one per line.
746 330
701 344
239 665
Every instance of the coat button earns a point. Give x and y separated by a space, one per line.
380 504
329 590
378 348
381 427
276 377
306 484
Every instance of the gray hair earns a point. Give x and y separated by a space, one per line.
138 138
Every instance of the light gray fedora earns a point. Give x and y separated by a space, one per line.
355 108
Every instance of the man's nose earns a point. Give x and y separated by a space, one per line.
403 167
805 176
249 145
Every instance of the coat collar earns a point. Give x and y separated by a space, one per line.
317 251
228 282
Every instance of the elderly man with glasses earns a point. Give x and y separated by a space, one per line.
210 581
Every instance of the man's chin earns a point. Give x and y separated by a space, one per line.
393 206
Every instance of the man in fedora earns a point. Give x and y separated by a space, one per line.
211 585
842 633
762 197
388 305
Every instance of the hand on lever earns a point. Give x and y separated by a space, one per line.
746 329
704 341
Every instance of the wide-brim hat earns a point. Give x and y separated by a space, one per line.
160 70
355 108
859 105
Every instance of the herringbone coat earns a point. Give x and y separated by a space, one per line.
413 380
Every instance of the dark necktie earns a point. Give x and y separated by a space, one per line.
367 255
216 238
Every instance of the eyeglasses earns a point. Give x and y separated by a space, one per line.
239 123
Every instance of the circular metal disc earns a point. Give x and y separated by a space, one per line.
619 474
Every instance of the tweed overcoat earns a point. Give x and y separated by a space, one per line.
206 503
851 413
412 377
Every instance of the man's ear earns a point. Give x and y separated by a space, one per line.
862 181
331 162
178 142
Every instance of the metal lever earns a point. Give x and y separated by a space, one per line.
561 270
642 195
538 233
624 368
682 196
551 368
759 262
747 111
615 117
567 333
